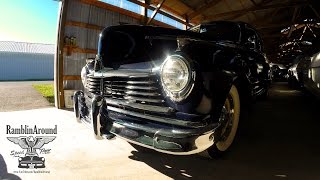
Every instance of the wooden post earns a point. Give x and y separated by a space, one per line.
187 22
145 19
58 76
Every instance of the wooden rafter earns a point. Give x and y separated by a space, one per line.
255 5
203 8
156 11
293 21
122 11
278 25
186 5
84 25
180 19
315 12
259 8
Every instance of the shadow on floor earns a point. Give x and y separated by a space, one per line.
4 175
282 142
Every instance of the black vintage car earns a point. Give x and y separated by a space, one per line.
31 161
174 91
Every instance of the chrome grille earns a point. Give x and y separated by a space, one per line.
144 90
93 84
133 87
137 96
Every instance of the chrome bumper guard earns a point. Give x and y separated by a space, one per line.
177 138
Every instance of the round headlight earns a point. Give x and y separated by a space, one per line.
177 77
175 73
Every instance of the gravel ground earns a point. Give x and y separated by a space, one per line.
20 95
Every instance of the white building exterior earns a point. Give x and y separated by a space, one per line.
26 61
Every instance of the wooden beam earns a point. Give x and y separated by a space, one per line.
189 7
271 26
80 50
111 8
242 14
254 3
180 19
71 77
253 9
203 8
294 16
84 25
145 12
315 12
59 62
123 11
155 11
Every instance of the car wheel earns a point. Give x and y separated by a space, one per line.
231 113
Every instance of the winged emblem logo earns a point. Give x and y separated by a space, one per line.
31 158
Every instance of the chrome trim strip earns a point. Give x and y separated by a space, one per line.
157 109
122 73
130 92
141 87
140 82
159 119
143 99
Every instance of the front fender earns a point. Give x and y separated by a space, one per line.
218 68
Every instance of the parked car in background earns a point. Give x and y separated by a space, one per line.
298 72
312 83
279 73
174 91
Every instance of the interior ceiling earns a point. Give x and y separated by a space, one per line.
268 16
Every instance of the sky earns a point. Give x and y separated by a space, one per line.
29 21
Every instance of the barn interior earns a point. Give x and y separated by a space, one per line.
278 139
288 28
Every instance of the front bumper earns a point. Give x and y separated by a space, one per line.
177 138
29 164
167 139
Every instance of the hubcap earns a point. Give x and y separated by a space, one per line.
229 118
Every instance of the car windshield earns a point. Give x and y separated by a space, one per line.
221 31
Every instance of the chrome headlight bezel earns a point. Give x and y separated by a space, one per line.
183 93
84 75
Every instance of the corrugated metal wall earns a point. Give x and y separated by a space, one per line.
26 66
86 38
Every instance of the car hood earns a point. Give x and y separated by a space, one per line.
130 44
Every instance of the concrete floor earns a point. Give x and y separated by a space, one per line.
281 143
20 95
